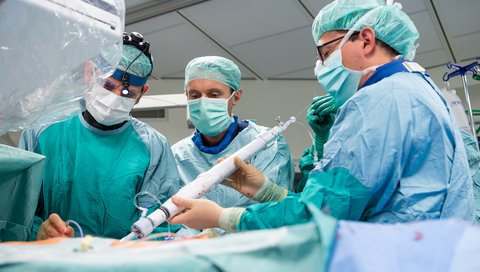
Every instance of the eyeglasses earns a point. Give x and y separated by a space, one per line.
322 56
110 86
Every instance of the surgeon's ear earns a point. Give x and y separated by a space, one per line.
367 36
236 96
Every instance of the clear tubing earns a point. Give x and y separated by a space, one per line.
311 138
77 225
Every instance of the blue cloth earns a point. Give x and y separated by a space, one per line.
132 79
91 176
232 131
275 161
389 69
430 245
395 144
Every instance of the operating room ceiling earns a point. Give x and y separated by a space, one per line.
271 39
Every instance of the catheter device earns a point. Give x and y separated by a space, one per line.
205 182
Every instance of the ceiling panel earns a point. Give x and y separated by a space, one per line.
409 6
462 32
429 39
272 37
156 24
459 17
412 6
315 5
176 42
279 54
432 58
467 47
234 22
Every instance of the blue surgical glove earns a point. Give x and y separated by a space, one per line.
320 117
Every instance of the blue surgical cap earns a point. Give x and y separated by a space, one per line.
391 25
215 68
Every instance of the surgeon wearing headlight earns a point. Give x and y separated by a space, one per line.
98 161
393 154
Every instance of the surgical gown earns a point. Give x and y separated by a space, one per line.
92 176
275 162
394 155
473 156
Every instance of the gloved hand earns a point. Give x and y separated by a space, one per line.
306 165
320 117
247 179
197 213
54 226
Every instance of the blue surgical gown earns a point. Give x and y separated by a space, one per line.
275 162
394 155
473 156
92 176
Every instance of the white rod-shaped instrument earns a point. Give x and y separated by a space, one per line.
205 182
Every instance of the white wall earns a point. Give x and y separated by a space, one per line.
265 100
262 101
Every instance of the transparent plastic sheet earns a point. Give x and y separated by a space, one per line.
52 52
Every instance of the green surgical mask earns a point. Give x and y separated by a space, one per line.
209 115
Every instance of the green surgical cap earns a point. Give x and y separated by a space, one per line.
215 68
141 67
391 25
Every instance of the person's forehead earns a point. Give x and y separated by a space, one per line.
203 85
114 80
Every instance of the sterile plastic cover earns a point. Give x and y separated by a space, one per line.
51 54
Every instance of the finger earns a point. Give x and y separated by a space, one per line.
315 99
232 184
323 99
324 105
56 222
240 164
180 218
51 232
325 109
70 232
310 111
228 183
320 105
41 234
182 202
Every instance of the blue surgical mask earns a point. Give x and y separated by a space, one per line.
339 81
209 115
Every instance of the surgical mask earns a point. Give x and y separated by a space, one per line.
339 81
209 115
106 107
